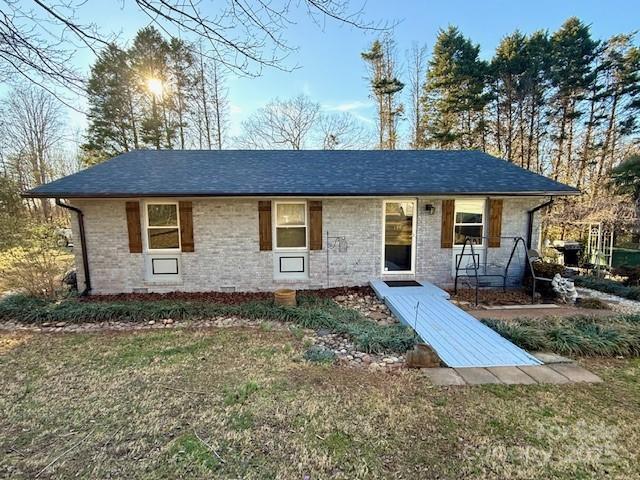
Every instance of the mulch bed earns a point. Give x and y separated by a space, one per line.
227 298
492 296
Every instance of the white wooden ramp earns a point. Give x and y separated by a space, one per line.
459 339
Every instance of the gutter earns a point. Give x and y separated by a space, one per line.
83 245
531 214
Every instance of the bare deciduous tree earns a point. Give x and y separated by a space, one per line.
32 135
343 131
417 65
211 104
38 41
285 124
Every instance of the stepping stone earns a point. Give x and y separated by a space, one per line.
544 374
546 357
477 376
576 373
512 376
442 376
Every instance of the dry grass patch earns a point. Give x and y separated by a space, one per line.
242 403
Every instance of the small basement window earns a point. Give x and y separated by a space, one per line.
163 228
469 221
291 225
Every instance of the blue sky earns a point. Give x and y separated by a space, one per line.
330 69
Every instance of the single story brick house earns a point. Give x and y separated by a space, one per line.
249 220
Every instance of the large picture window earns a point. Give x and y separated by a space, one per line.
469 221
163 229
291 225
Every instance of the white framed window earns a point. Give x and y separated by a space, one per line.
469 221
291 225
162 221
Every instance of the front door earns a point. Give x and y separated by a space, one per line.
399 236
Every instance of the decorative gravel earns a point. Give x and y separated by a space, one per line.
617 304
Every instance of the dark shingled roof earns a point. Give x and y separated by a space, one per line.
162 173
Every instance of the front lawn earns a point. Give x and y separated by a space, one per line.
243 403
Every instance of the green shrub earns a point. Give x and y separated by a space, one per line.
579 335
318 354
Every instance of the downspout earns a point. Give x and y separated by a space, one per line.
83 245
531 214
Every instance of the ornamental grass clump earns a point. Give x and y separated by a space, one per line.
312 312
580 335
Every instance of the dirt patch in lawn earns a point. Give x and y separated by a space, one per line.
227 298
240 403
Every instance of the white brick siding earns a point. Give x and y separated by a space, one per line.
227 253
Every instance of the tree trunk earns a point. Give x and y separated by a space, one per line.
572 122
587 140
218 112
605 145
558 160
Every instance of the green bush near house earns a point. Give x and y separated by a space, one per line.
311 312
580 335
608 286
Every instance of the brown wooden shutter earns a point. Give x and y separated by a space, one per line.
315 225
264 225
186 226
446 235
133 227
495 222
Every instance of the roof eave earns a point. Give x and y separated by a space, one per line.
30 194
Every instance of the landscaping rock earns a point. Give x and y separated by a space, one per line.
422 356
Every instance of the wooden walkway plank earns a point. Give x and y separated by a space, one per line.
458 338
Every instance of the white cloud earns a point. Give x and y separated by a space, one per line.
348 106
353 108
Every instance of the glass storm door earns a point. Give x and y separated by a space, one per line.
399 233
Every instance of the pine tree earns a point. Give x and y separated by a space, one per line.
149 56
385 85
508 69
182 80
112 119
572 52
536 86
454 96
